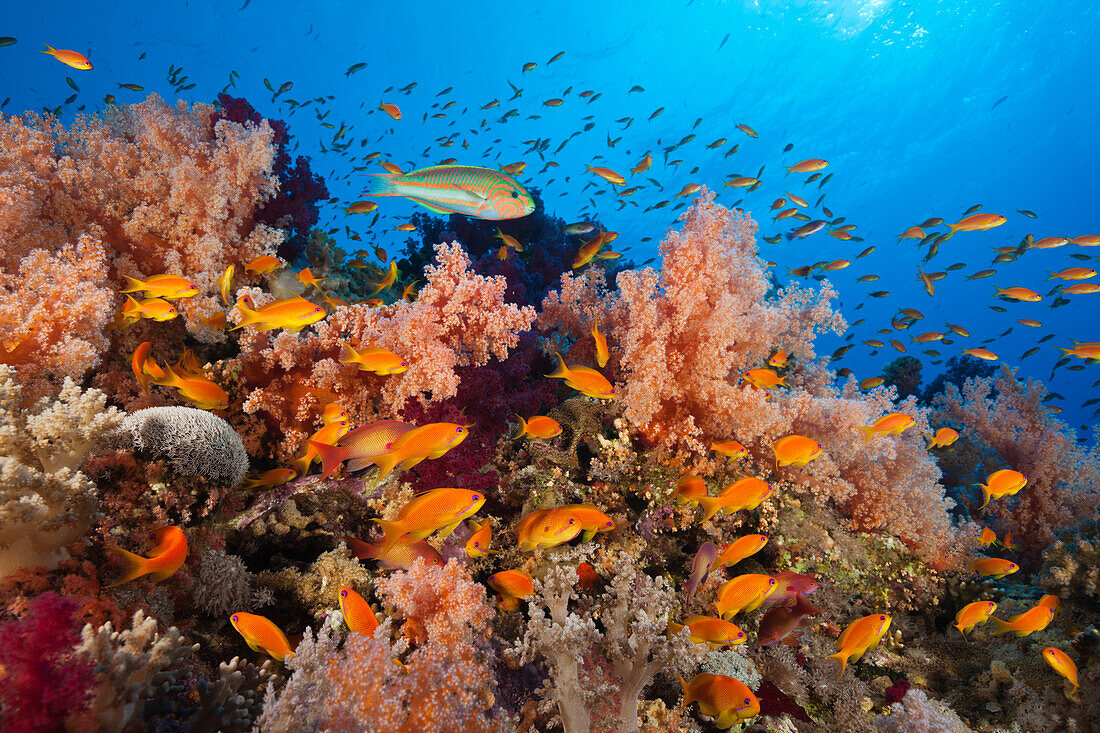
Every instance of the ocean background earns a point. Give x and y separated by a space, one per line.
921 108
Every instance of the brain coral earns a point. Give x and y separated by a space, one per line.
197 442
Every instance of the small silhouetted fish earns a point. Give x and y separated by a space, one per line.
7 41
972 209
1029 214
355 67
142 56
656 112
723 43
72 83
636 88
133 87
556 56
788 147
246 2
998 102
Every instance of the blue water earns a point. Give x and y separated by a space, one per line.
922 109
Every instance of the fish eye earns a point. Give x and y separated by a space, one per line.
343 594
476 497
317 309
882 618
514 193
235 619
771 581
571 521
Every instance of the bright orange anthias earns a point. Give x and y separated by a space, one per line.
592 520
743 494
373 359
1034 619
438 509
360 446
399 557
729 701
795 450
860 637
290 314
427 441
974 614
357 613
199 391
330 434
513 586
729 448
262 635
168 287
739 549
710 630
689 489
893 424
544 528
743 593
539 426
478 544
163 561
583 379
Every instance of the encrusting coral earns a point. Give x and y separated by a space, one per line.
46 502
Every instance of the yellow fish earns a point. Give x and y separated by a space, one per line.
419 444
893 424
943 438
544 528
710 630
199 391
539 426
744 593
729 448
438 509
1034 619
373 359
478 544
859 638
738 550
163 561
993 567
291 314
745 493
602 354
357 613
168 287
513 586
1005 482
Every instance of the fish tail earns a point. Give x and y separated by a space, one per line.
392 531
361 550
931 442
168 378
134 566
950 233
1003 627
841 657
711 505
789 169
868 433
522 427
985 496
348 355
386 463
562 371
301 465
687 693
383 185
49 49
248 317
133 285
331 456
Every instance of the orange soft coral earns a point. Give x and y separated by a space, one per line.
459 319
156 185
53 312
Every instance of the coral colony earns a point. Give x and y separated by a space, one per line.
502 483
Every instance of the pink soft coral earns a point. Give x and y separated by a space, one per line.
460 319
43 685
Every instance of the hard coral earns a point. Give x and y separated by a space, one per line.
197 442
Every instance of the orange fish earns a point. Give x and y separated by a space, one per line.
330 434
1082 289
164 559
979 353
199 391
262 635
391 167
538 426
912 233
689 489
1010 544
263 265
710 630
859 638
427 441
795 450
291 314
745 493
809 165
399 557
592 520
70 58
307 278
779 360
1073 273
373 359
333 413
1018 293
513 586
137 364
987 537
602 354
643 165
739 549
478 544
584 380
428 512
743 593
1051 601
388 280
361 207
943 438
747 130
360 446
993 567
357 613
871 382
975 223
225 284
1082 350
1060 662
391 109
1034 619
1005 482
763 378
155 309
785 624
544 528
607 174
974 614
509 241
272 478
729 701
893 424
168 287
587 251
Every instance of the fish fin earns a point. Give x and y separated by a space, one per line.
383 185
301 465
446 530
248 317
562 371
49 49
1003 627
711 505
386 463
331 456
430 205
843 659
348 355
687 693
522 427
392 531
358 464
361 550
868 433
589 534
135 566
133 285
985 495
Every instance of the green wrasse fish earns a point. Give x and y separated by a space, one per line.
482 193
